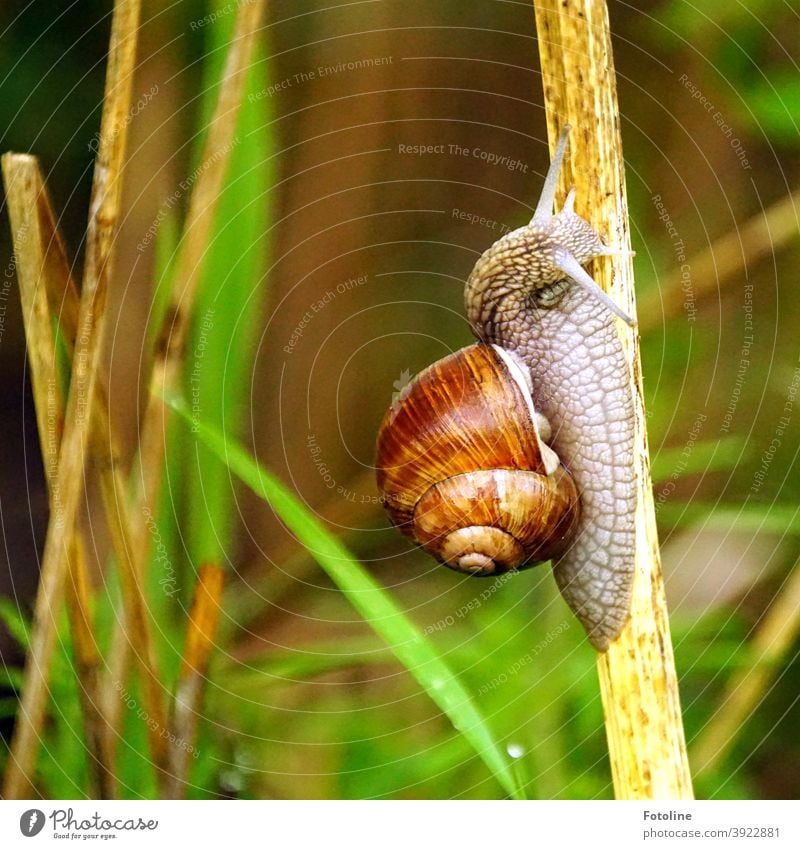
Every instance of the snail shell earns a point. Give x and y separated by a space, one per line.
464 469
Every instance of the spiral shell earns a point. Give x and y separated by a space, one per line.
464 471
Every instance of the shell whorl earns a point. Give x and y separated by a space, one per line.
464 470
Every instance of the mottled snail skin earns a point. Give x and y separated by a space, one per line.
518 297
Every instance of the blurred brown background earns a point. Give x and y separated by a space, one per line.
372 241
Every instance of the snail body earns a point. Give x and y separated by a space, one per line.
530 297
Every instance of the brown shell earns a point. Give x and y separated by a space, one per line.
462 414
537 512
468 414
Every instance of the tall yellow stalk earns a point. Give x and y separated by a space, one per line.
47 291
637 674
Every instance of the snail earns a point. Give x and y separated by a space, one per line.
545 395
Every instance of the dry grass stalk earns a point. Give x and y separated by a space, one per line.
69 485
46 285
104 214
220 141
721 263
169 355
58 296
637 674
749 685
200 636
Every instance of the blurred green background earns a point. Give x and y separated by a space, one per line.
336 271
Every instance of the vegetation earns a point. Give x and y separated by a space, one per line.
341 662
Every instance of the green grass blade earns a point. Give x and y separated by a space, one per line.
405 640
166 252
698 458
746 518
15 621
229 303
8 707
11 677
